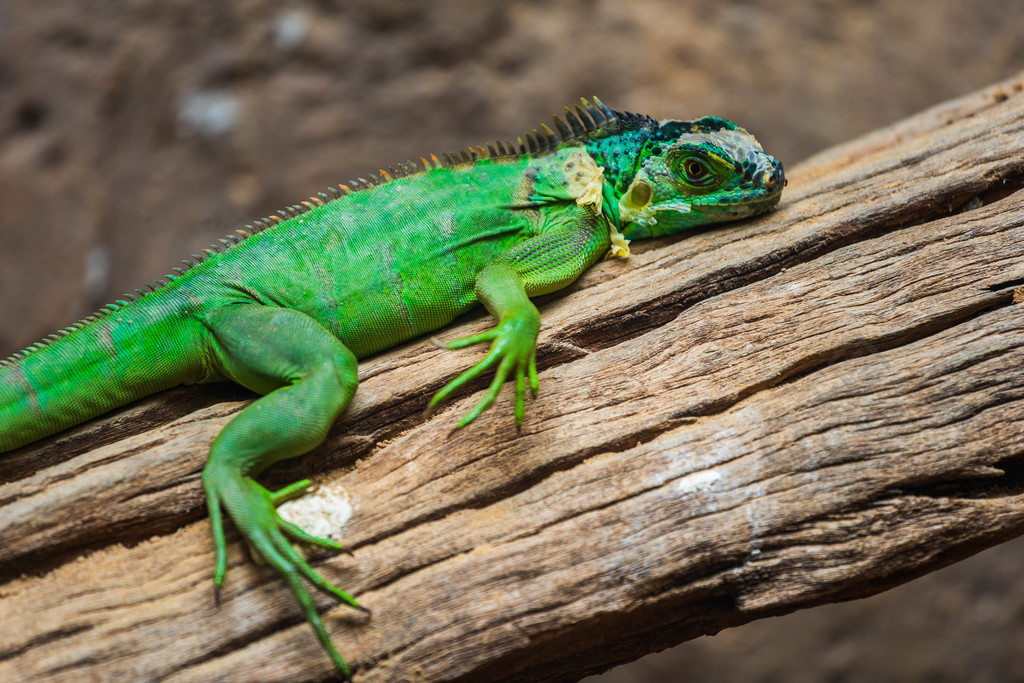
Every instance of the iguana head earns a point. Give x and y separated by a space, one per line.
697 172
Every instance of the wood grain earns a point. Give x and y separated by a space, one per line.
812 406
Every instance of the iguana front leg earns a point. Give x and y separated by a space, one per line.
307 377
572 239
513 341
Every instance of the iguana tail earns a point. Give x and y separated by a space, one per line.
130 351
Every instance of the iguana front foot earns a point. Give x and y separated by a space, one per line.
513 349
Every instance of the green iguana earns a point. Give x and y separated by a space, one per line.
288 306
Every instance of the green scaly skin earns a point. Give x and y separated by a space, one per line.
289 309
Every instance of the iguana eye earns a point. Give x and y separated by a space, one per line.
695 170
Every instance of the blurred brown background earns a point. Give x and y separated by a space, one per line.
133 133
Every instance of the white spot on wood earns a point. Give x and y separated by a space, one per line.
321 512
698 481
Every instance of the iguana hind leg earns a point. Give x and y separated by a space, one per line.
307 377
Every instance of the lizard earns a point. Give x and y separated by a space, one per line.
288 305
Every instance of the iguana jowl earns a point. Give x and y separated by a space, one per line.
288 307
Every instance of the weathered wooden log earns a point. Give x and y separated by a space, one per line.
812 406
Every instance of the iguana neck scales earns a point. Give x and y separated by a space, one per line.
288 305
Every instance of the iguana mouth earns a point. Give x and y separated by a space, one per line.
636 205
758 197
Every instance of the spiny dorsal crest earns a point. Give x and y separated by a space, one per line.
580 123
